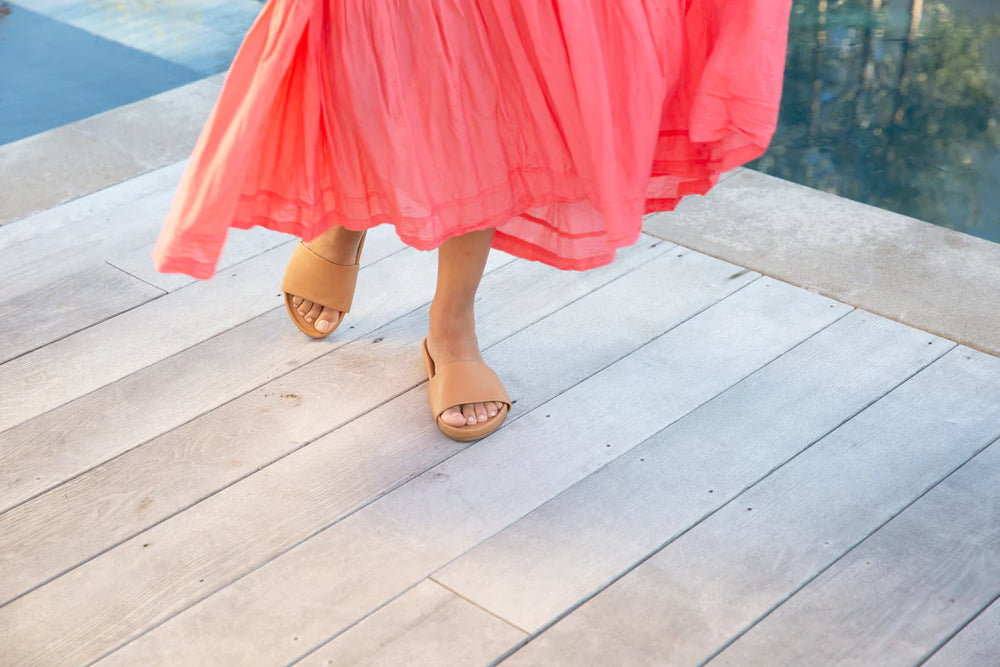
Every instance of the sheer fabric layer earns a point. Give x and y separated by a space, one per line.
559 122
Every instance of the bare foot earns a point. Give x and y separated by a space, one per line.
337 245
453 338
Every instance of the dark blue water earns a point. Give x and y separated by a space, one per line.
52 73
896 104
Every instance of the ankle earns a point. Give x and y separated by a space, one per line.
337 245
451 321
452 334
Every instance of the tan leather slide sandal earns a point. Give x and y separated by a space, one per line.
464 382
321 281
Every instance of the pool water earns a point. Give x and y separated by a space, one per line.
895 103
64 60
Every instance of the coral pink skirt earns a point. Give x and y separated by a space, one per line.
558 122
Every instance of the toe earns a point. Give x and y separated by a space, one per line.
296 301
303 306
469 412
314 312
326 319
453 417
491 409
481 415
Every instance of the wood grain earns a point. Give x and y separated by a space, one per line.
426 625
241 245
707 586
67 305
549 561
352 466
976 644
83 233
105 505
66 441
387 546
894 597
74 366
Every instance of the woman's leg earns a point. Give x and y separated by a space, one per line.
337 245
452 335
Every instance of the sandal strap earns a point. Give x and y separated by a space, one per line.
465 382
319 280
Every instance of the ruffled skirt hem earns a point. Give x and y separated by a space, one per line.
560 124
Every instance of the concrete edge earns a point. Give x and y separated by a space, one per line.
926 276
77 159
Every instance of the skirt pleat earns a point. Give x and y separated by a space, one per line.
558 122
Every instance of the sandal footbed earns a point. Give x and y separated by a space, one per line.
476 431
307 327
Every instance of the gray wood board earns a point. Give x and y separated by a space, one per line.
241 245
569 548
710 584
362 561
426 625
75 520
62 307
101 503
83 233
350 467
78 519
60 444
892 599
975 645
110 417
76 365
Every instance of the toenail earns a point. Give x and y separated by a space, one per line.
309 319
322 325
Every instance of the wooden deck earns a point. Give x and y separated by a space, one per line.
702 464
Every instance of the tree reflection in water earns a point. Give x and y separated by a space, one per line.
894 104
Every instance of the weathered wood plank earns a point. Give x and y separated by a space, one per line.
360 562
55 446
426 625
66 369
553 558
81 234
338 473
976 644
112 502
897 595
241 245
62 307
734 567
